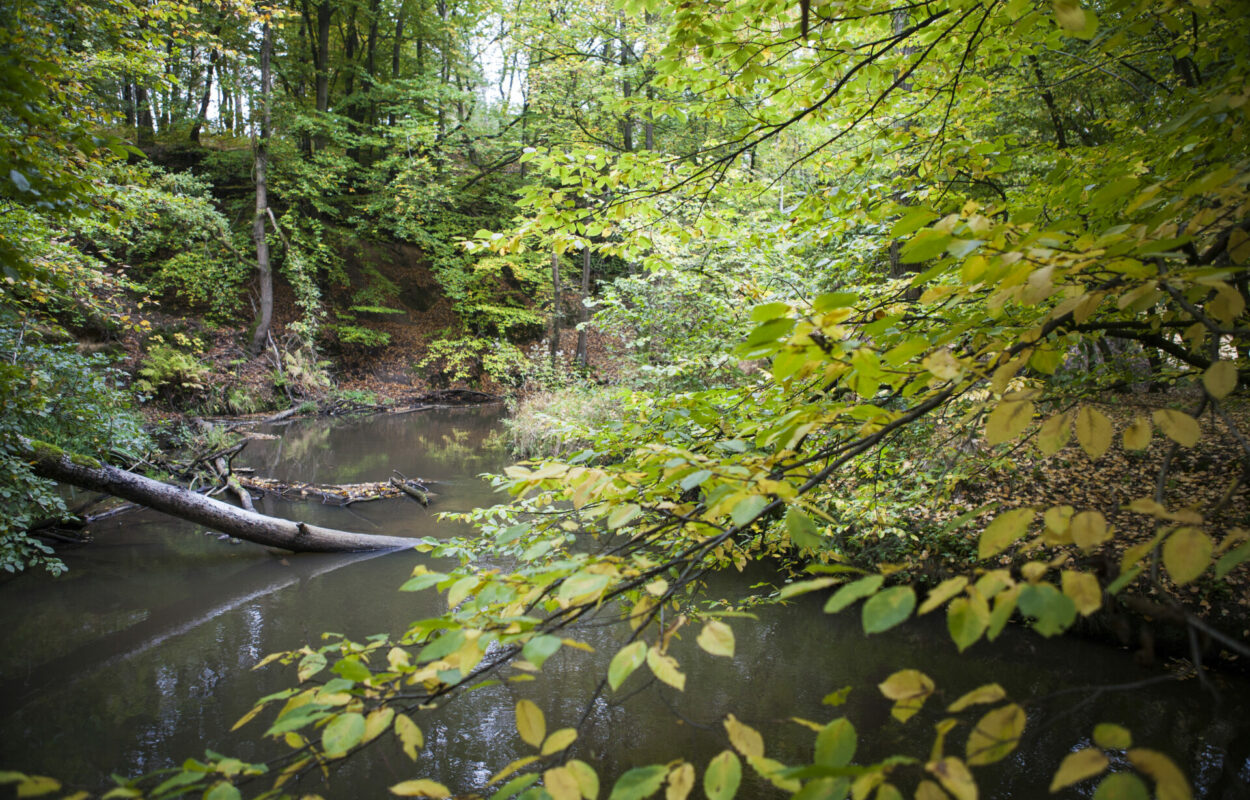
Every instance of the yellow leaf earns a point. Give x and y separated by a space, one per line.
558 741
1005 529
928 790
377 722
1227 305
511 768
744 738
996 734
1078 766
989 693
1220 379
665 668
908 689
680 783
37 785
246 718
942 364
530 723
1069 15
954 776
409 734
1093 431
1008 420
717 638
1170 783
1089 529
1239 246
1137 434
420 788
1186 554
561 784
1112 736
943 592
1084 591
1054 434
587 780
1178 426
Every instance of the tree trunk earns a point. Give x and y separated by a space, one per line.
555 305
583 313
205 98
143 128
185 504
627 92
264 273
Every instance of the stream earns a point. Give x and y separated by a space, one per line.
141 655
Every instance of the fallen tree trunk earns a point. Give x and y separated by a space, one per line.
55 464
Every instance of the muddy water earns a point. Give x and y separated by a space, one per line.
141 656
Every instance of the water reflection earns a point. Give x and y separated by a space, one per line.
141 656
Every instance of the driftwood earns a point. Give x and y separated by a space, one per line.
341 494
52 463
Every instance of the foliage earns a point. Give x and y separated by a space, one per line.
52 393
168 371
471 359
974 208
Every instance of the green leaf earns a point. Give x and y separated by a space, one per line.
888 608
540 648
622 515
723 776
639 782
342 734
1052 611
422 581
966 620
853 591
769 311
627 659
222 790
1121 786
913 220
747 508
310 665
836 743
802 530
924 245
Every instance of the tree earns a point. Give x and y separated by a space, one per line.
934 130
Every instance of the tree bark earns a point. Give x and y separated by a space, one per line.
555 305
583 313
264 314
205 98
185 504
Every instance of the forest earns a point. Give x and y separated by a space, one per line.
928 313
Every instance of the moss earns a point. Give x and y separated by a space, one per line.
47 451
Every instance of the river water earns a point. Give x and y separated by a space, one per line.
141 655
